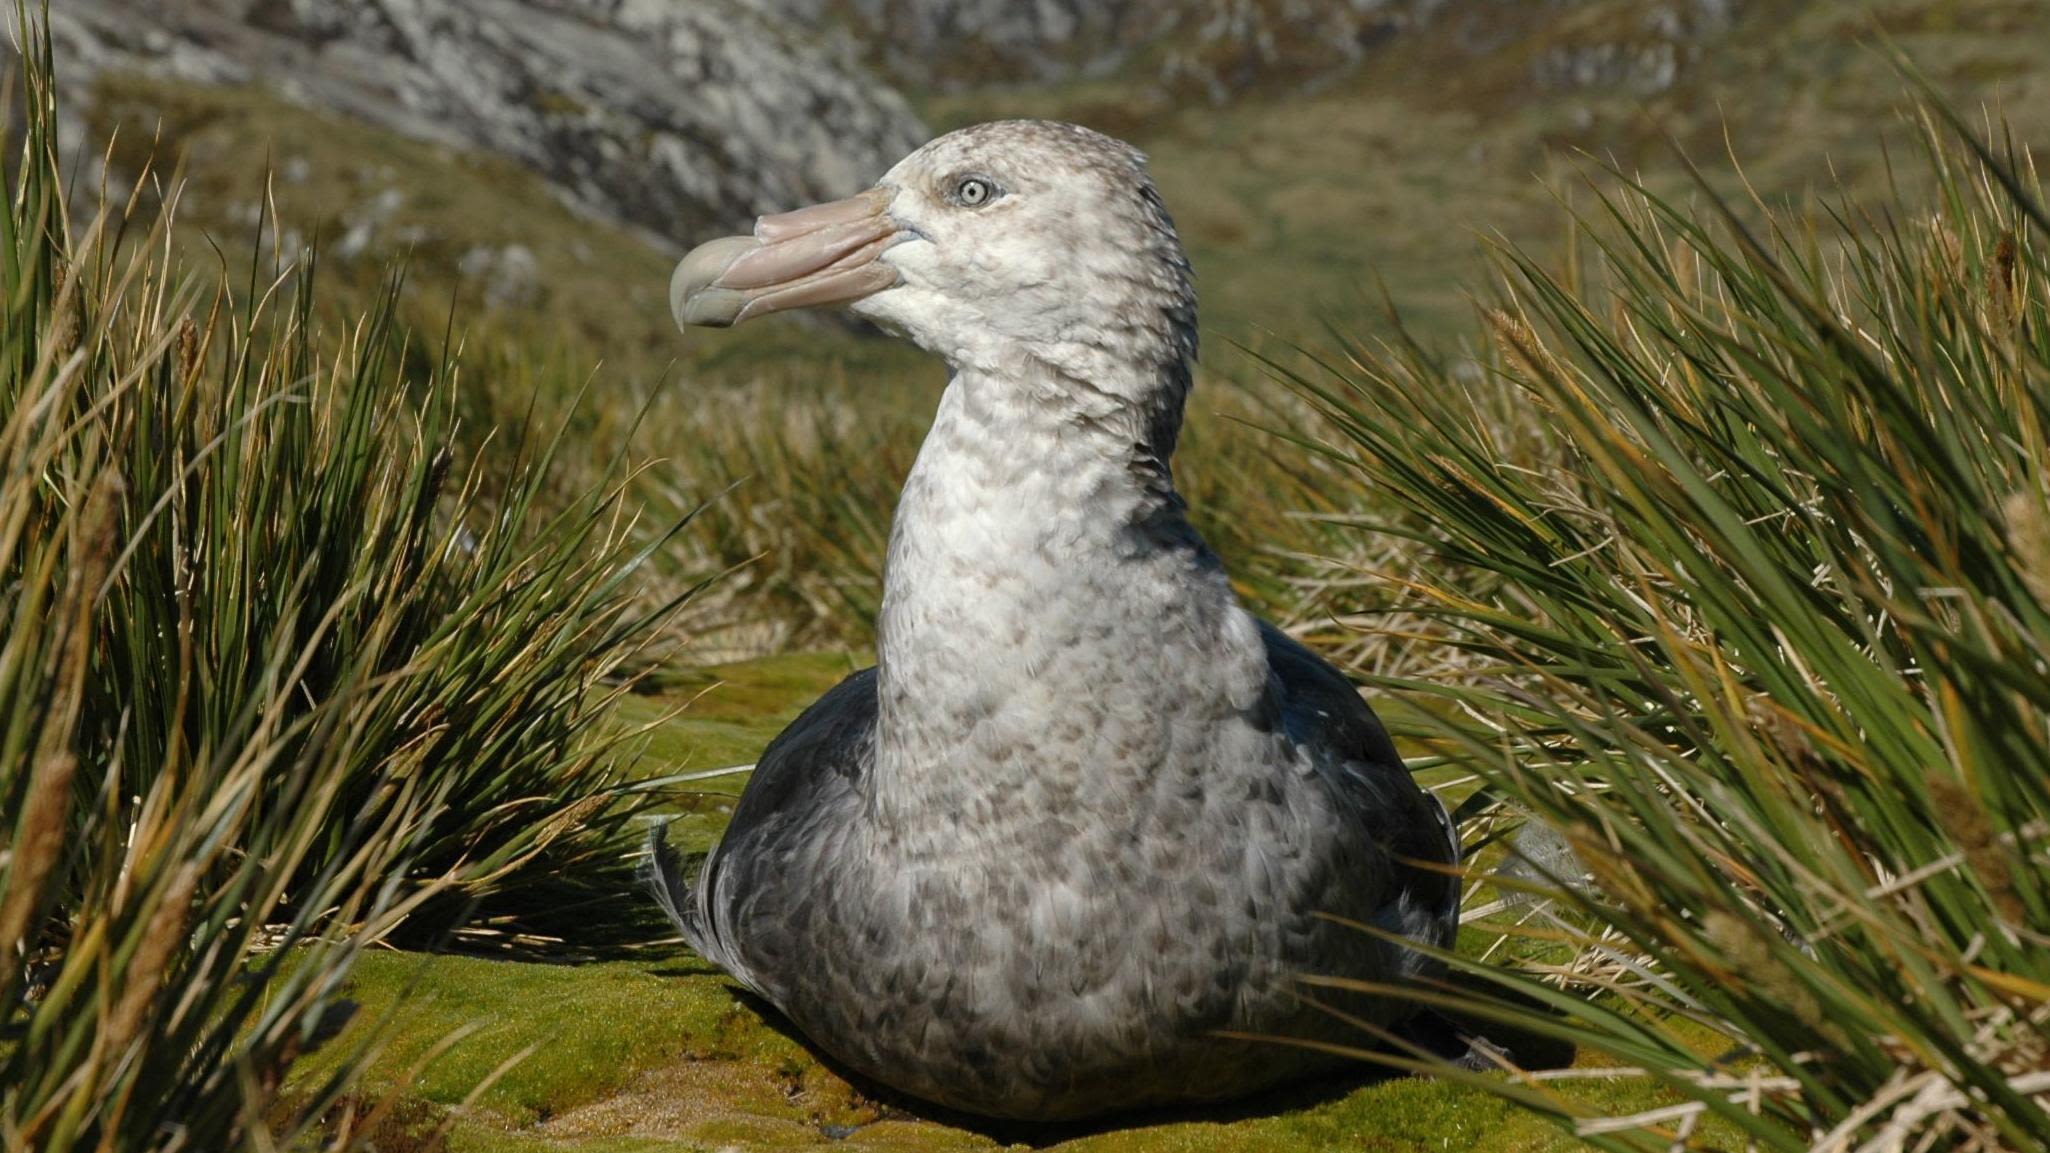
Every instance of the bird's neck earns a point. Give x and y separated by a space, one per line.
1044 594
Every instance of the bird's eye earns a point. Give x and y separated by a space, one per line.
974 192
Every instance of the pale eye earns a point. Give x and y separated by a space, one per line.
974 192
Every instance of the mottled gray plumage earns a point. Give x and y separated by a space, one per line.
1086 814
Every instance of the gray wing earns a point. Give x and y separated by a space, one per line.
1322 708
808 773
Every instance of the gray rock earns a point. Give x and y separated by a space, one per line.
1541 857
1646 55
510 276
680 118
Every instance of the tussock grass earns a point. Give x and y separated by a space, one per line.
792 487
1738 529
278 680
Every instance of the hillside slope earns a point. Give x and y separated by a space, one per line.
1355 143
675 118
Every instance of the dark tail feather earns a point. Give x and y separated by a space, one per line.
663 875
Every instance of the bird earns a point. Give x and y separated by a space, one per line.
1074 842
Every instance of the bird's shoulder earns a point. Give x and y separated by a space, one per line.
822 755
1323 711
1320 706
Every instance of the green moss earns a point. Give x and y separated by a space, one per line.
591 1028
708 718
661 1054
716 717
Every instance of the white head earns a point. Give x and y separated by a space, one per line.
1018 249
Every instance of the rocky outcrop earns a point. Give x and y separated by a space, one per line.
679 118
1643 49
1218 48
959 44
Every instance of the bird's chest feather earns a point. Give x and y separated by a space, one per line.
1047 645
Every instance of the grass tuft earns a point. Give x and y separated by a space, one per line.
279 678
1737 525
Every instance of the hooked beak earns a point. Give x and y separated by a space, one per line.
810 258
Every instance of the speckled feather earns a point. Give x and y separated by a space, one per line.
1085 813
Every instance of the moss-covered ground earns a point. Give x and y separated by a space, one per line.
654 1050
